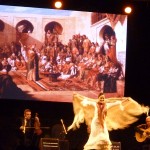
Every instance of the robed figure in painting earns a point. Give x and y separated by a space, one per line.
32 65
103 115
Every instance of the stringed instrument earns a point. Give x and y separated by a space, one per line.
142 135
37 128
37 124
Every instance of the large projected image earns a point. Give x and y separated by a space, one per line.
48 54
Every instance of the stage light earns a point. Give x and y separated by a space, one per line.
128 10
58 4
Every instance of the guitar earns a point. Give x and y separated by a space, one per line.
142 135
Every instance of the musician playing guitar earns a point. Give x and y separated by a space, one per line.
29 131
143 131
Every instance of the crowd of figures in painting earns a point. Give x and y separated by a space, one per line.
82 59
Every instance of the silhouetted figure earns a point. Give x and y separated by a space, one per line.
8 88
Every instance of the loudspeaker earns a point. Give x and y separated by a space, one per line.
49 144
116 146
53 144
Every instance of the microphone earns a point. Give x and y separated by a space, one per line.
63 126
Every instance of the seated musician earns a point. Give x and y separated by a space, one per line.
29 132
143 132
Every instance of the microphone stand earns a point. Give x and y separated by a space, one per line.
64 128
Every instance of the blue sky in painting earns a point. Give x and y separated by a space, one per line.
32 10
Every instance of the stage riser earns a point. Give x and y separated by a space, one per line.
56 144
115 146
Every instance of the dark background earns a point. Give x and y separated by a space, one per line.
137 83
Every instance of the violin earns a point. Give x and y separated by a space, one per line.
38 130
